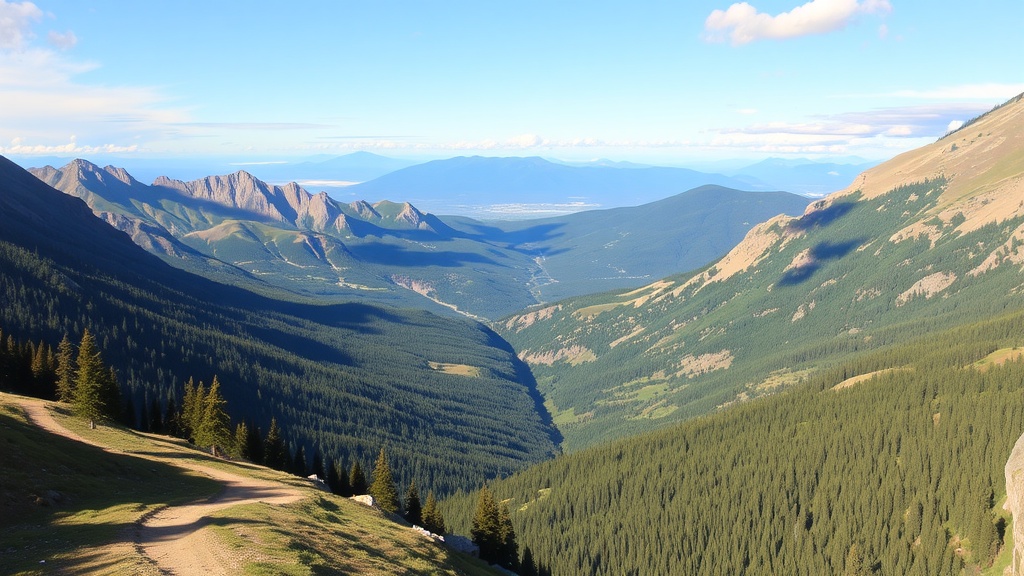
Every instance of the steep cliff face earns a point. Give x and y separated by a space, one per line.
1015 504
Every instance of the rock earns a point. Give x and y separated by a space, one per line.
1014 471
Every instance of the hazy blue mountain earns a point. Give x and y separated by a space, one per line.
329 173
799 175
476 185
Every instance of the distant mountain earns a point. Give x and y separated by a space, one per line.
800 176
239 229
929 240
331 173
600 250
442 185
342 380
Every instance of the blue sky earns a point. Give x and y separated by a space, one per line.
666 82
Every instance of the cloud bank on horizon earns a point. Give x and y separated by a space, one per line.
828 78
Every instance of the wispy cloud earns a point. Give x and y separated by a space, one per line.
18 147
741 23
16 20
881 128
62 41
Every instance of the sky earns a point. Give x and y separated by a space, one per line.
660 82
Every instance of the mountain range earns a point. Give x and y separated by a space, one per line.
239 229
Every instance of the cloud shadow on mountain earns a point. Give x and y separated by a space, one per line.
819 254
821 218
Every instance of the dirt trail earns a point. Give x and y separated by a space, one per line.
175 538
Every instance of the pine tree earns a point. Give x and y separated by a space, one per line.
385 496
357 479
413 509
432 518
274 453
192 406
508 548
65 370
214 425
89 381
486 530
341 487
241 442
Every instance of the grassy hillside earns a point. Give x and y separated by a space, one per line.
860 270
891 463
342 380
71 508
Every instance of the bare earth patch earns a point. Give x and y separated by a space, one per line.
524 321
691 366
574 355
928 286
456 369
854 380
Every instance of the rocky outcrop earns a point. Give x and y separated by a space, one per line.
1015 504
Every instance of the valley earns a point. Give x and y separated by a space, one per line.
603 372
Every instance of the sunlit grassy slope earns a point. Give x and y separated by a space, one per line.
69 507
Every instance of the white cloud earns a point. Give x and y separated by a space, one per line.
65 41
16 20
954 125
72 146
747 111
741 23
899 128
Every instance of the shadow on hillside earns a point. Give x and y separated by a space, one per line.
525 377
513 239
822 217
820 253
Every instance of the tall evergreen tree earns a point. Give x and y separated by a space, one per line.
385 496
413 508
241 442
432 518
89 381
214 425
508 548
486 529
65 370
357 479
318 466
341 486
275 455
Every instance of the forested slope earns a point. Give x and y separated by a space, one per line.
448 398
895 472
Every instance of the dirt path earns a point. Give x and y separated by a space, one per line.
175 538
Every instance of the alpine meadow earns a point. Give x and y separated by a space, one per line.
545 289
